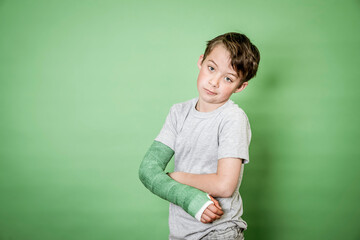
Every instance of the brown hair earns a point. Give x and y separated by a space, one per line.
245 56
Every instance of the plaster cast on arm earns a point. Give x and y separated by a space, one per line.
152 175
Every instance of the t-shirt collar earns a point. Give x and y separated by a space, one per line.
196 113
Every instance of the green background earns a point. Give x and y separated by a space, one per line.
86 86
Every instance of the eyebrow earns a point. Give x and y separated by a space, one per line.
213 62
235 75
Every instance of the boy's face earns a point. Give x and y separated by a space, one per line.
217 79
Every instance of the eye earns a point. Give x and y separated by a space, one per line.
228 80
211 68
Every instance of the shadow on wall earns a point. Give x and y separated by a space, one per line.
256 188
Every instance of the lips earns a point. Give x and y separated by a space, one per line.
209 92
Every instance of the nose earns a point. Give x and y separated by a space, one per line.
214 81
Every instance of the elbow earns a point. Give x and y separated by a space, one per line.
226 193
225 190
147 173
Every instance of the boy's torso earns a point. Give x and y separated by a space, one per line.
196 151
196 145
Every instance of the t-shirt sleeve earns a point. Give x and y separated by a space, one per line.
168 132
234 137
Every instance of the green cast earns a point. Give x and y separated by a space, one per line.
152 175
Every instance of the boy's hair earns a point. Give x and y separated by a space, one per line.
245 56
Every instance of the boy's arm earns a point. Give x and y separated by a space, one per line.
152 175
220 184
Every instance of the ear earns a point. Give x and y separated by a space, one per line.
242 87
200 61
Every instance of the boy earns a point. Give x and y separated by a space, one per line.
210 137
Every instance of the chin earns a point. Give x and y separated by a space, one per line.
209 99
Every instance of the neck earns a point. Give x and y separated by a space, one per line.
207 107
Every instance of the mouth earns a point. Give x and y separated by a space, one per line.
209 92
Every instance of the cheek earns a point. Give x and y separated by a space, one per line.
228 90
199 81
201 78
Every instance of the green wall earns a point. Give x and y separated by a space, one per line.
85 87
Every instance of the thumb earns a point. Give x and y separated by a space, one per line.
215 202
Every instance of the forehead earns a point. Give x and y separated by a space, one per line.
220 53
221 56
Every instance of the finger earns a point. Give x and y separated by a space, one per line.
215 210
203 220
215 202
211 215
209 220
206 218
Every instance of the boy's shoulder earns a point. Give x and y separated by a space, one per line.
233 110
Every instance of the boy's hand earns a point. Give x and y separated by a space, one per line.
212 212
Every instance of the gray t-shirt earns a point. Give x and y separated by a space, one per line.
199 140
